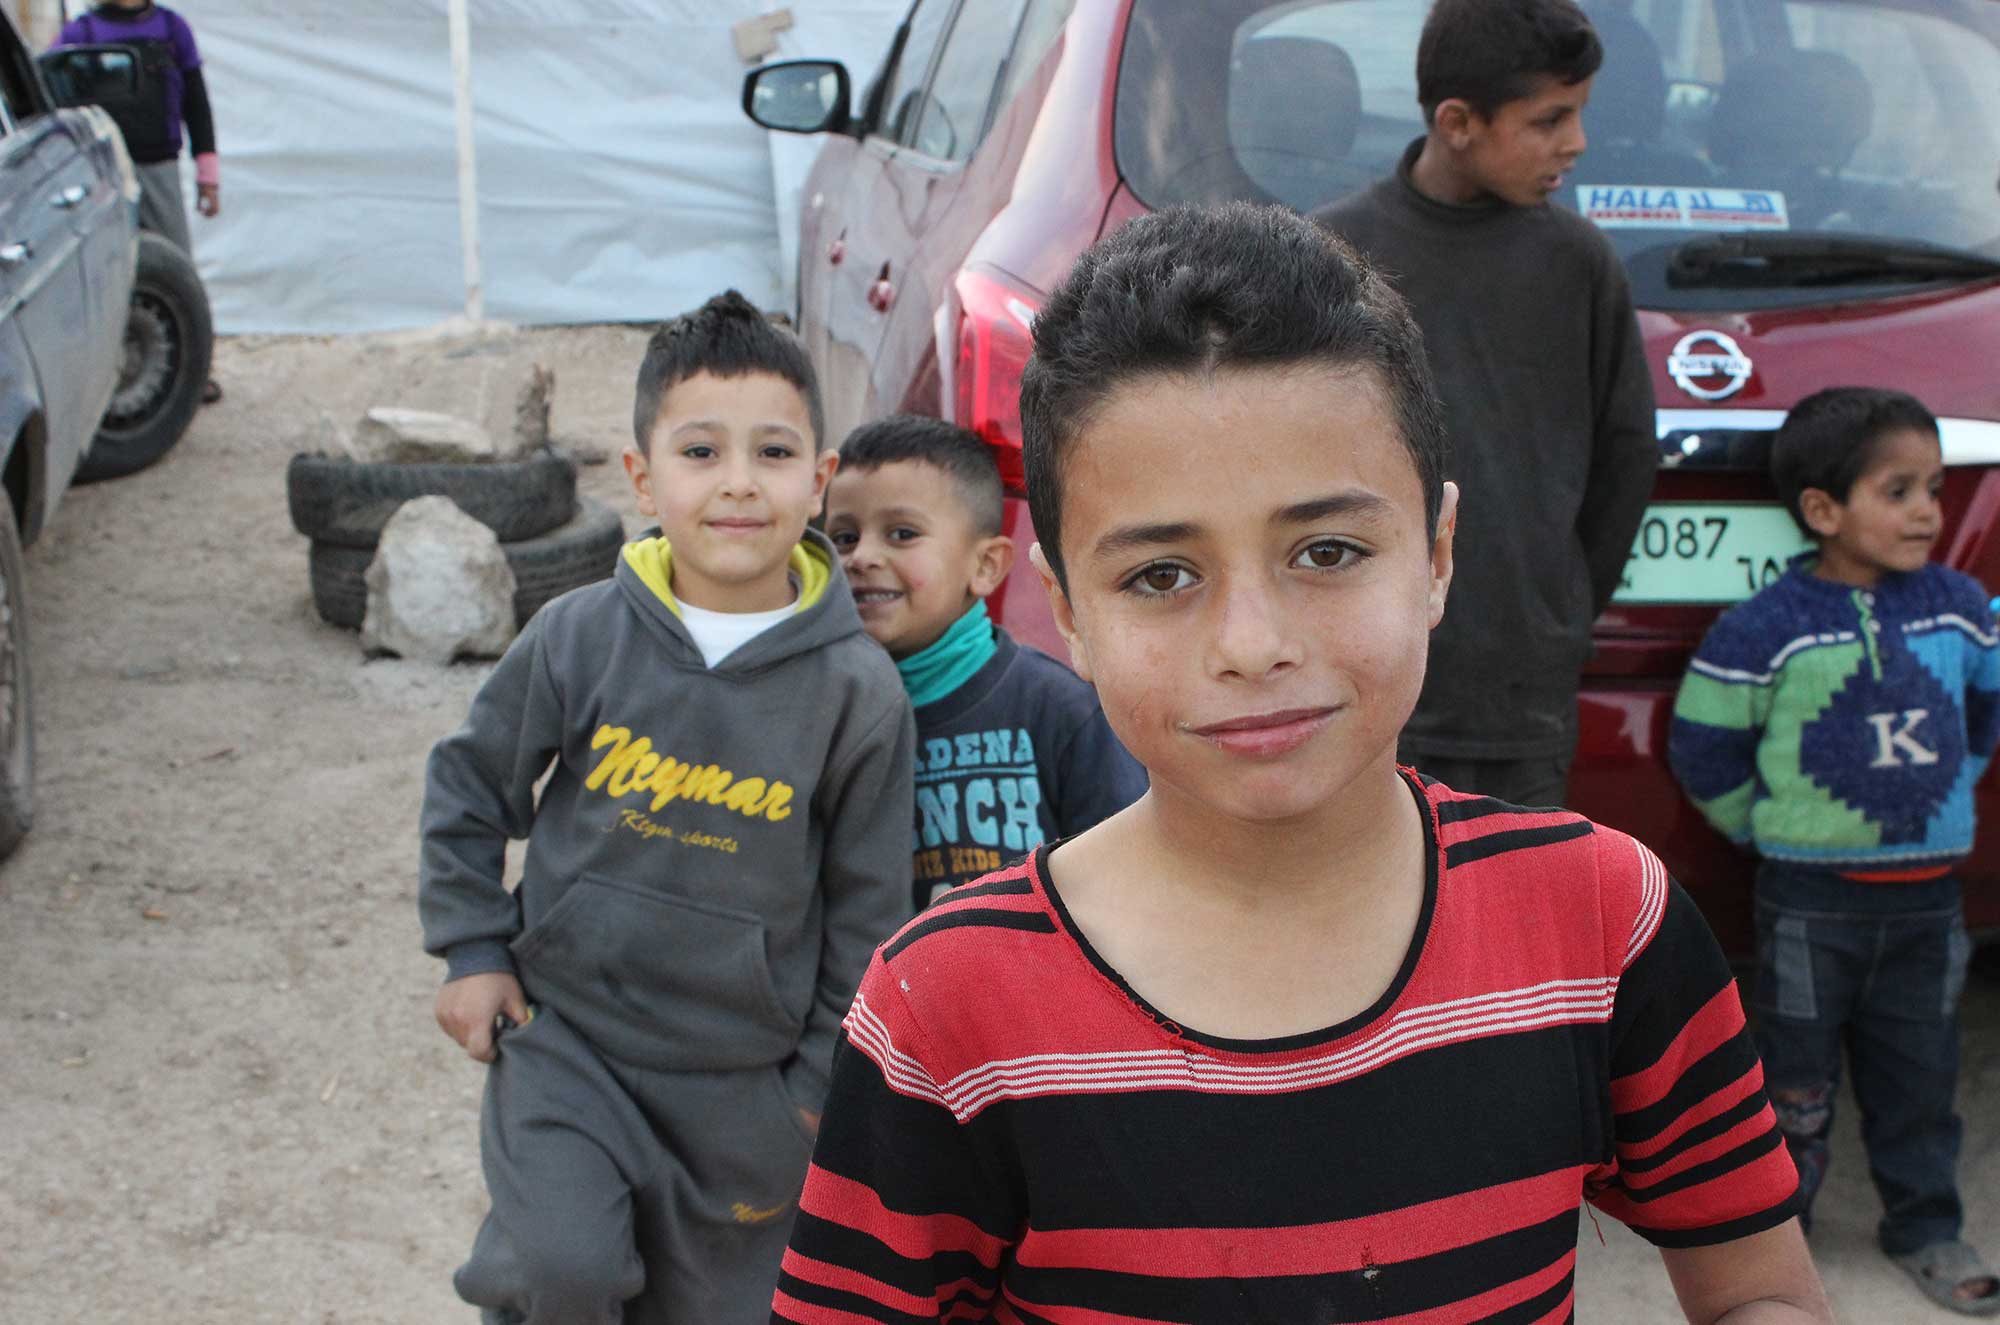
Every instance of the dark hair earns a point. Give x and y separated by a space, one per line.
1489 52
725 337
1193 289
1830 438
958 453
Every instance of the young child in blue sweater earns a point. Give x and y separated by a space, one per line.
1836 723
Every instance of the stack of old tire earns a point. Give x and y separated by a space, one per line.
553 541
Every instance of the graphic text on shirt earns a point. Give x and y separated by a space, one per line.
633 766
979 789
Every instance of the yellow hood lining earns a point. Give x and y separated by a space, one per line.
652 560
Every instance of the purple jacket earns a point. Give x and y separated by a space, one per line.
154 23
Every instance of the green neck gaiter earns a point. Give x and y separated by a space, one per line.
934 672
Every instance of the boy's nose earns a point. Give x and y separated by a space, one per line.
740 479
1251 638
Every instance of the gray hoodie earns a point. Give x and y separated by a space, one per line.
716 852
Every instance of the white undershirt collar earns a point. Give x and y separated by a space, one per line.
719 634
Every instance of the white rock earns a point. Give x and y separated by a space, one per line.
389 435
439 587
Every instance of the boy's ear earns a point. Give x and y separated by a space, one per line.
823 470
1452 122
1079 656
1821 511
642 481
992 558
1441 552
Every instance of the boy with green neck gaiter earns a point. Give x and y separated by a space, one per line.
1012 748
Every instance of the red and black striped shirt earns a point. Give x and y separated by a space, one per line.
1014 1136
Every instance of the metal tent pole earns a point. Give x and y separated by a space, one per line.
468 168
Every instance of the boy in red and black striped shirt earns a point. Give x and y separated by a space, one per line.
1299 1037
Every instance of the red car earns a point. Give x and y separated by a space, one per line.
1803 192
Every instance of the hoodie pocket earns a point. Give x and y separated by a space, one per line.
658 981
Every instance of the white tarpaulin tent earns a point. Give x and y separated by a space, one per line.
616 176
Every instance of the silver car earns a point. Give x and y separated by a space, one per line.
104 340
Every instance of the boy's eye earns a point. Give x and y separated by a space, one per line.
1160 579
1327 554
699 451
904 534
843 538
776 452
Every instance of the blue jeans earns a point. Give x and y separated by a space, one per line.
1877 969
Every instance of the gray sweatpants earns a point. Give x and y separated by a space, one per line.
161 206
621 1195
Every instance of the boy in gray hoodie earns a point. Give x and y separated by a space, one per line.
718 847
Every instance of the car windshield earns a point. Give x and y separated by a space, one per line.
1859 138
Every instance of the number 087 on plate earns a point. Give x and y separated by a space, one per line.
1708 552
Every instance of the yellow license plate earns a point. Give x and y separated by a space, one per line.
1708 552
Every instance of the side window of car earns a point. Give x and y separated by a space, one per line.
18 100
1039 30
954 116
902 100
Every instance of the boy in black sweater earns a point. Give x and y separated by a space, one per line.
1528 321
1012 748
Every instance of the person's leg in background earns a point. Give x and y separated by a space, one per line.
161 207
1904 1048
1812 961
163 210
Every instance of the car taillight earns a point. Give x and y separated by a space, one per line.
994 342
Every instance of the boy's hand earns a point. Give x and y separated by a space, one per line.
468 1006
208 199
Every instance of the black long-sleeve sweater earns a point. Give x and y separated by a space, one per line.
1528 321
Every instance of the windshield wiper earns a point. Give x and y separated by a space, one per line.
1729 261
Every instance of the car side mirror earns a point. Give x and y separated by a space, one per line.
799 96
90 75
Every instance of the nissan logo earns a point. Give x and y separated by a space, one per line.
1708 365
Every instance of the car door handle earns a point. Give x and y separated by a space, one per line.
883 292
16 255
72 196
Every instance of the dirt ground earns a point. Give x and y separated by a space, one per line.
222 1097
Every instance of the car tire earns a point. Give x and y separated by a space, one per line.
335 500
169 343
582 551
17 739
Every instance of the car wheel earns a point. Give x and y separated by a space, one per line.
347 502
169 341
17 729
582 551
